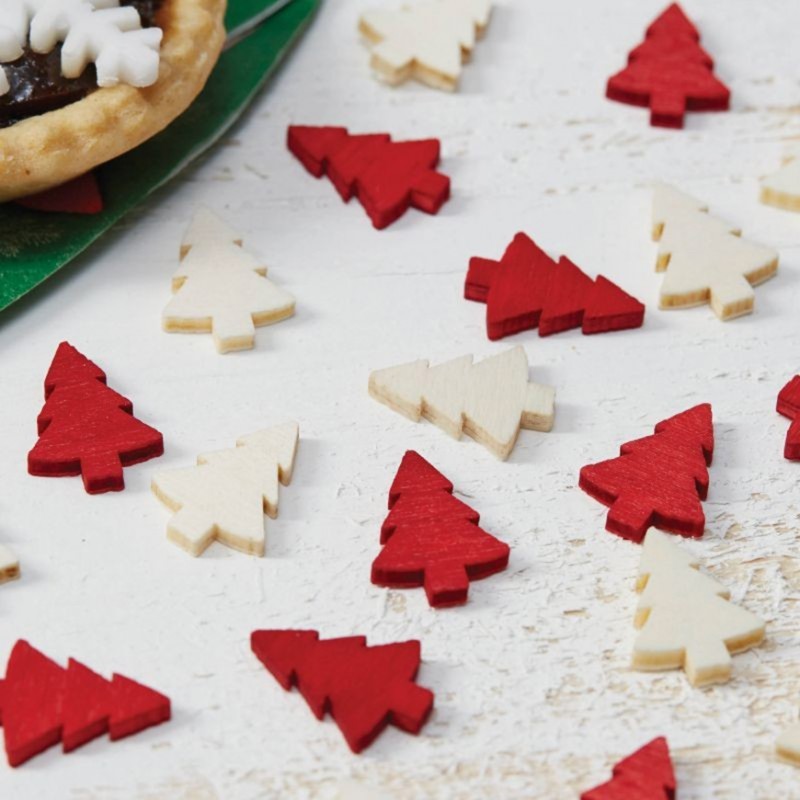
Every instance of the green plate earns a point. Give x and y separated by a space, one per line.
34 245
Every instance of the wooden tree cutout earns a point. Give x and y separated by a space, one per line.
782 188
685 618
646 774
431 539
789 406
705 259
527 289
489 401
42 704
87 429
208 230
387 177
788 745
363 688
221 288
9 565
427 41
227 494
658 480
670 73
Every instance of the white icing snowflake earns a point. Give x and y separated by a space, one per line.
92 31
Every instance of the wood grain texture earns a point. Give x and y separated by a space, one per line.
490 401
534 694
426 41
657 480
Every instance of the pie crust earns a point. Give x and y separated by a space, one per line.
52 148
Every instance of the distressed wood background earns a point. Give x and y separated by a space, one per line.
534 696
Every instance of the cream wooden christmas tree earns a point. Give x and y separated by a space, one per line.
206 228
9 565
705 259
782 188
219 287
227 494
489 401
427 40
685 616
788 745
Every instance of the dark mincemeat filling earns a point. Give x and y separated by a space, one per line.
36 82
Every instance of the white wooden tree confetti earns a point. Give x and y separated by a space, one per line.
782 188
9 565
788 745
685 616
219 287
428 41
207 229
705 259
489 401
227 494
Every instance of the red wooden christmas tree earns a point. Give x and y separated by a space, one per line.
658 480
42 704
431 539
673 23
789 406
364 688
78 196
670 73
387 177
647 774
608 308
527 289
87 429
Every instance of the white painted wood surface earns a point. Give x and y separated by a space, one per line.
534 694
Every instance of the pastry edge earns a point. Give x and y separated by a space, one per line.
53 148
